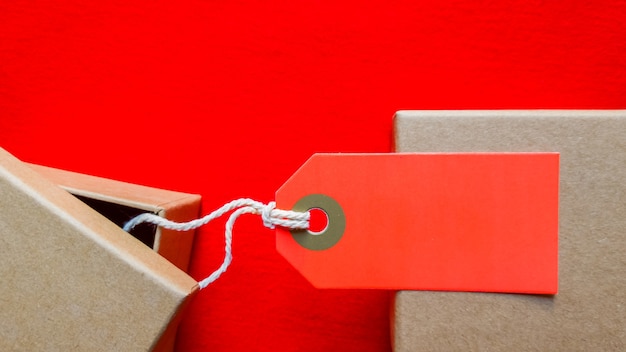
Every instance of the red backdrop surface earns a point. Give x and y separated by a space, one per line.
228 98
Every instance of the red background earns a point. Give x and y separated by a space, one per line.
228 98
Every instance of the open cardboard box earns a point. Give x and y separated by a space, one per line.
121 201
73 280
589 311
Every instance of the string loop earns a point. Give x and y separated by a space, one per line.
266 215
271 217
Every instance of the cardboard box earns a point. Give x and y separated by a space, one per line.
73 280
121 201
589 311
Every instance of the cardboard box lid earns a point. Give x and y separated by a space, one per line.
589 312
71 279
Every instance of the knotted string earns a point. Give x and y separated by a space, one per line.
271 216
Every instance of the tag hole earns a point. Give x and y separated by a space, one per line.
318 222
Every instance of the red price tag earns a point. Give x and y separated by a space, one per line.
451 222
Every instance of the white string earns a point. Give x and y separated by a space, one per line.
271 216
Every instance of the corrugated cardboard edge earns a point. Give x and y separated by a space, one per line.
99 230
176 206
588 313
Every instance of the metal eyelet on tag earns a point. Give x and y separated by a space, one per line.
333 231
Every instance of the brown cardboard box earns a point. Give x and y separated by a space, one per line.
589 311
73 280
121 201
